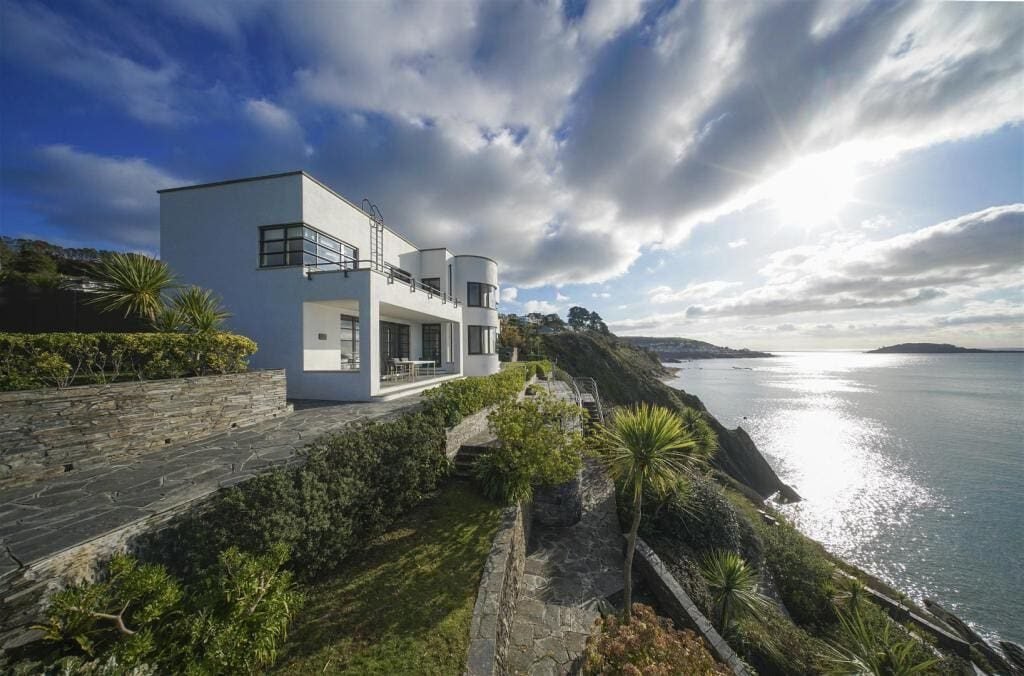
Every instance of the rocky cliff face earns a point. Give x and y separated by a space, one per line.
626 374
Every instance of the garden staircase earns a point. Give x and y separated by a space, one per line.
590 400
470 452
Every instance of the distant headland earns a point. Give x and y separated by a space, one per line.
929 348
682 349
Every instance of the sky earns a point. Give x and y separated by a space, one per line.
772 175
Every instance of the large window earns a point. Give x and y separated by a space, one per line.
481 295
349 343
298 244
432 343
481 339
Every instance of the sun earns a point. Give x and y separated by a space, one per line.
812 190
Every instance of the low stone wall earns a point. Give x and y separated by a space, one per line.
675 601
491 627
49 431
469 427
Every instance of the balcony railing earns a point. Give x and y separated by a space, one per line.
394 276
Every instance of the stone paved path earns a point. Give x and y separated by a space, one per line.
569 572
43 518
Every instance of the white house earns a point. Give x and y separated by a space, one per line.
328 291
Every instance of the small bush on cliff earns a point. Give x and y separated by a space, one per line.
802 575
141 619
541 444
647 645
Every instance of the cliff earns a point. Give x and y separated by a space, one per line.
626 374
682 349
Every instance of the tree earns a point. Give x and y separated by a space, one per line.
648 448
579 318
133 283
200 310
552 321
733 587
595 323
32 265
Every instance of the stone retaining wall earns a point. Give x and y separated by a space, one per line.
50 431
675 601
471 426
491 627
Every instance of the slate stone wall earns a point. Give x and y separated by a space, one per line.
50 431
491 628
677 603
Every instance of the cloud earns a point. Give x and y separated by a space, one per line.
692 292
736 244
87 198
509 294
560 297
601 294
542 306
45 41
900 271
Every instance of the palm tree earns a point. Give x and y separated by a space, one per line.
133 283
648 448
866 649
200 310
733 587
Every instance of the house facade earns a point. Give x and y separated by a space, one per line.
352 309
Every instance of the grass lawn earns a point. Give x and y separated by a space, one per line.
404 605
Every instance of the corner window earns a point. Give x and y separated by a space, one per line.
481 339
299 244
481 295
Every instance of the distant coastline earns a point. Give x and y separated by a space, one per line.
684 349
932 348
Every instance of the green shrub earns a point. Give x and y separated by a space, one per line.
647 645
458 398
29 360
352 487
802 574
700 516
541 444
140 619
774 646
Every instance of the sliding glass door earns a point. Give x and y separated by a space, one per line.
394 344
432 343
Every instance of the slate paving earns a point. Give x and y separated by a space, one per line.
570 573
41 519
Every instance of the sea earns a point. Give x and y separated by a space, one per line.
911 466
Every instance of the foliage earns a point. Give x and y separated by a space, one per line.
541 444
140 617
60 359
30 265
200 310
582 319
351 488
405 604
774 646
456 399
849 593
875 648
733 587
699 517
648 645
132 283
647 448
802 575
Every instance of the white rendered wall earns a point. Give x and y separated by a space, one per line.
483 270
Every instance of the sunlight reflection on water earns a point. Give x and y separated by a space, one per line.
901 461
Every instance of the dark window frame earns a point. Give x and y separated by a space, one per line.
353 325
482 346
308 248
485 299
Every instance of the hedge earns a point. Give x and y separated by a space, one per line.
32 360
456 399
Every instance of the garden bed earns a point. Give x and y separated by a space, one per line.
404 605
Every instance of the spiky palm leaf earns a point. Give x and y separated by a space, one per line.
647 448
733 587
200 310
871 651
132 283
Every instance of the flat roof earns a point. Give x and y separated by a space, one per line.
301 172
